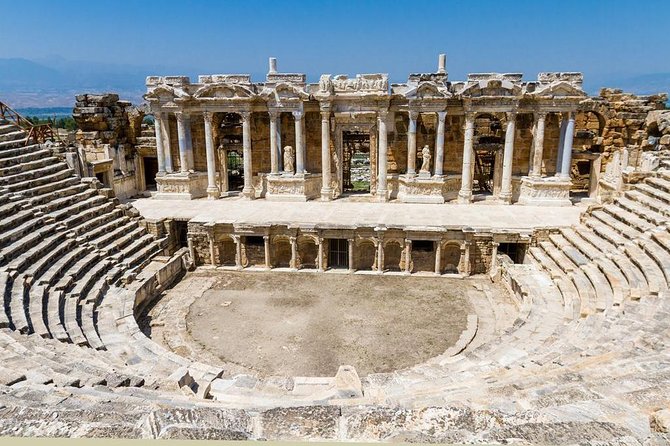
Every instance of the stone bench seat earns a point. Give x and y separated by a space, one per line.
40 265
660 182
654 192
87 214
571 299
23 178
659 255
644 212
75 207
24 240
662 238
570 251
127 252
653 274
628 218
16 148
98 226
584 246
45 192
558 256
24 158
25 222
117 234
652 203
54 302
17 306
15 219
606 293
112 246
31 257
605 232
26 167
13 144
88 326
56 205
57 269
8 208
37 311
545 262
42 201
13 134
143 255
83 286
622 228
77 270
28 187
5 289
70 321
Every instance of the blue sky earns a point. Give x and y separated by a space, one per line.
604 39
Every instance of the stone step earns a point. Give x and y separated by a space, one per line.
659 183
28 166
18 148
628 218
24 158
642 211
13 135
17 307
23 178
88 327
654 192
68 187
652 273
622 228
57 172
37 310
659 255
605 232
61 204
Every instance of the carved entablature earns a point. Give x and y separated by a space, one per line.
159 91
492 85
291 78
364 84
243 79
219 92
555 89
285 90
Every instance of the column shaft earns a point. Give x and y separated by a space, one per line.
183 148
561 141
411 143
382 157
299 143
165 133
326 190
439 143
380 256
320 261
294 253
212 258
438 257
538 145
274 147
351 255
465 194
238 252
508 157
160 152
248 190
266 246
212 189
566 162
408 256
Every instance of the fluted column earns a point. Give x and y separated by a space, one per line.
465 194
212 189
165 133
160 154
411 143
183 143
561 143
299 143
326 190
538 145
566 162
274 143
248 190
439 144
382 157
508 157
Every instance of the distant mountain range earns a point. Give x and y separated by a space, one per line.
54 82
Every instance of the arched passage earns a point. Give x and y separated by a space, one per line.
392 256
281 252
365 255
451 258
308 253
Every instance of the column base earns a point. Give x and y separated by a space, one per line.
382 195
504 198
326 194
213 193
464 197
249 193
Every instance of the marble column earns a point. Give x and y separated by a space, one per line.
439 144
380 255
294 252
248 190
266 247
189 143
212 257
165 133
274 143
466 258
508 158
238 251
465 194
408 256
351 254
566 161
299 143
326 190
382 157
561 141
224 172
538 145
411 143
183 143
160 152
320 260
438 257
212 189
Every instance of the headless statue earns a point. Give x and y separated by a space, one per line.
425 165
289 160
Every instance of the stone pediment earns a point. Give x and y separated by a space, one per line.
224 91
490 87
166 93
285 92
559 88
428 90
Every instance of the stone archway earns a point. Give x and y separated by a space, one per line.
365 255
451 258
281 252
393 252
228 251
308 253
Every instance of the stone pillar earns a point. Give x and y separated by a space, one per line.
561 140
382 157
266 246
380 255
224 172
439 144
238 251
212 189
274 144
326 190
248 190
212 257
351 255
465 194
508 157
438 257
189 143
165 133
566 162
294 252
494 257
299 143
183 144
465 258
411 143
408 256
538 145
320 260
160 153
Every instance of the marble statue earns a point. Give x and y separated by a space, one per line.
289 160
425 165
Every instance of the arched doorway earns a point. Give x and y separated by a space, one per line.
392 256
488 146
308 253
281 252
451 258
365 255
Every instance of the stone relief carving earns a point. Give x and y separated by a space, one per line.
289 159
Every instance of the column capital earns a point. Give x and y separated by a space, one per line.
414 114
441 115
293 238
274 114
266 237
297 114
158 115
470 116
382 113
208 115
325 115
540 114
245 115
325 106
181 116
511 115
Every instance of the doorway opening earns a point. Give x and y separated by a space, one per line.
338 253
489 143
356 170
515 251
150 171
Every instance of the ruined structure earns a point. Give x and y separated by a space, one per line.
581 359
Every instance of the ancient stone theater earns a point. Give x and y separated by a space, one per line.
461 261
